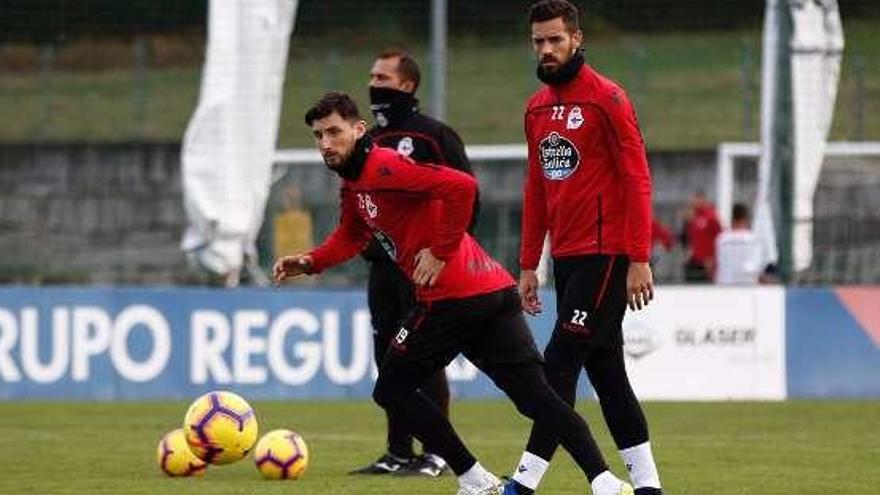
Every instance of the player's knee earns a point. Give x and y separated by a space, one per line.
525 407
528 399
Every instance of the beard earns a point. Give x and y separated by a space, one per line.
333 160
559 71
551 64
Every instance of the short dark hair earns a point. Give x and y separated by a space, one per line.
547 10
406 65
334 101
740 212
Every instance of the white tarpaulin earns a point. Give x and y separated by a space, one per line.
229 144
816 49
763 223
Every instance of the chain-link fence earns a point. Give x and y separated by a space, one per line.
103 71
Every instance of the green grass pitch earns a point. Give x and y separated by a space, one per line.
803 447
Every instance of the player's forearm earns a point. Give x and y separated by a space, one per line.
639 226
337 249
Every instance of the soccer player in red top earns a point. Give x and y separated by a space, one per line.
467 303
588 185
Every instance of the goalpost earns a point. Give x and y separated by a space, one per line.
729 156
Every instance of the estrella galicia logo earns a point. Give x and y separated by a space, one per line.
559 157
387 243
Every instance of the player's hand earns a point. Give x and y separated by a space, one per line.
639 285
428 268
290 267
528 292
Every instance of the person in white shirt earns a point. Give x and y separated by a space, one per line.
738 251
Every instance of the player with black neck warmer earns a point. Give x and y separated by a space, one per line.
394 80
391 107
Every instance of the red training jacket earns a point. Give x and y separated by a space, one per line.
408 206
588 182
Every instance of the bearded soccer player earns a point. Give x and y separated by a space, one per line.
394 80
588 185
466 302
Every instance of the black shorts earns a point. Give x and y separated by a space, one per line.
488 329
591 298
390 297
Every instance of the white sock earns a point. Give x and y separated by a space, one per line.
530 470
606 484
640 464
477 477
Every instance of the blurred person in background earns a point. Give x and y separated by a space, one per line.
589 186
739 251
700 230
466 301
400 125
661 240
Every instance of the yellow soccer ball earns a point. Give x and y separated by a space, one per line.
175 458
220 427
281 455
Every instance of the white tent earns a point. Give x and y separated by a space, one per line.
230 142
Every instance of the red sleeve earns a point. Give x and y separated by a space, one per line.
455 190
534 216
348 239
661 234
633 165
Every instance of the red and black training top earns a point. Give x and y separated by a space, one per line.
407 206
588 182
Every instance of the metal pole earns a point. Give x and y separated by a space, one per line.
438 58
783 140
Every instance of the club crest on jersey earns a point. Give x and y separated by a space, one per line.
559 157
575 119
381 119
405 146
365 202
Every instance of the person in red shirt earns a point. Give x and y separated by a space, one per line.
589 186
701 231
467 303
660 236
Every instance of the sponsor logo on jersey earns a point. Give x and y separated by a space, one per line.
559 157
575 119
405 146
387 243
